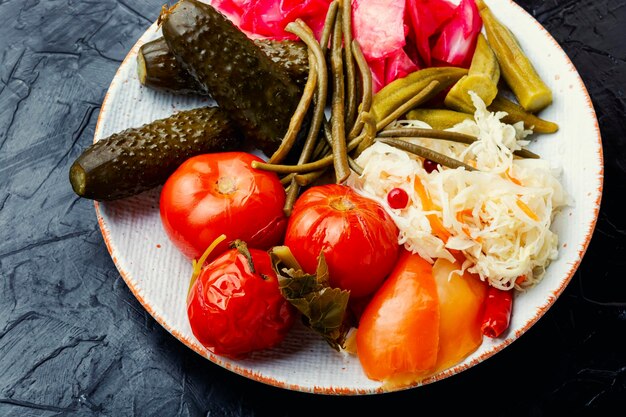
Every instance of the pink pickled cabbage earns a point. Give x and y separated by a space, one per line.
379 27
457 41
397 36
398 65
268 18
402 36
425 18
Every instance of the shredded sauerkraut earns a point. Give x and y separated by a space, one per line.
498 216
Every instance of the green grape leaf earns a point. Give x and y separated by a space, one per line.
323 308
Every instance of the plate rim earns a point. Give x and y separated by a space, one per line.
330 390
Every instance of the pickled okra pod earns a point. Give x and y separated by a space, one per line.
140 158
427 93
516 113
439 119
519 73
444 118
158 69
398 92
256 93
482 78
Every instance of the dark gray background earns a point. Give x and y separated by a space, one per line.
75 341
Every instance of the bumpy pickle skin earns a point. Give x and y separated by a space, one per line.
158 69
256 93
482 78
291 55
140 158
519 73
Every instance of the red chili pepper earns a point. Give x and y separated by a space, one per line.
497 314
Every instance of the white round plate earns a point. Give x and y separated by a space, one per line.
159 275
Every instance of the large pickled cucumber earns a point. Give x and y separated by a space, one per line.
291 55
137 159
158 69
256 92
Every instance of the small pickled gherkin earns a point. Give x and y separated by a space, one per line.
158 69
517 70
482 78
140 158
256 93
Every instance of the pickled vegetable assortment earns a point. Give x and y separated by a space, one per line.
397 208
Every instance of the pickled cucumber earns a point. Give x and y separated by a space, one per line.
256 93
291 55
158 69
137 159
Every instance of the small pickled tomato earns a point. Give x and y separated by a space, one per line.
430 166
397 198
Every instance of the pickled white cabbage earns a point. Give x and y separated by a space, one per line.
499 216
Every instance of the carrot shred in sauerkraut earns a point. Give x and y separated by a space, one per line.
500 222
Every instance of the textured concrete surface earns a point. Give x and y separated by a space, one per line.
73 339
